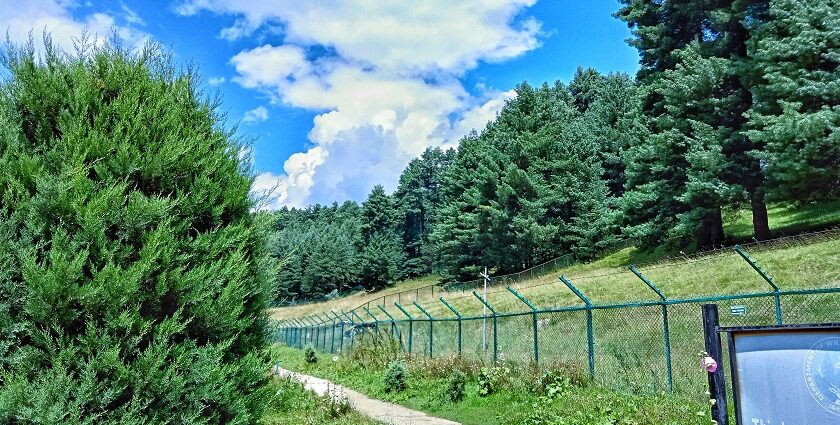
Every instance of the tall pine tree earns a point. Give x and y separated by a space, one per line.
796 56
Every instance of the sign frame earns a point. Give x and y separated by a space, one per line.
717 383
733 331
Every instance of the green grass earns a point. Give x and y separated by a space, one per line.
515 402
629 342
785 219
292 404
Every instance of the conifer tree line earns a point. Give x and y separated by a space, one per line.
736 104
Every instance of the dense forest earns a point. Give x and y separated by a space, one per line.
736 104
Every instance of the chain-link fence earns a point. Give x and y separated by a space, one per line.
632 329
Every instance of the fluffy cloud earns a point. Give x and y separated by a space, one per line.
258 114
20 18
384 76
391 34
216 81
273 191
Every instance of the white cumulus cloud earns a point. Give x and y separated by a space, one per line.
384 77
258 114
22 18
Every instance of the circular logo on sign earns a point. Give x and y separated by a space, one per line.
822 373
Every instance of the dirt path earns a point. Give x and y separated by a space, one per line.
388 413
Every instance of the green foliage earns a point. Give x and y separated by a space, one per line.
419 196
493 379
320 248
527 189
484 386
291 403
553 384
456 386
698 159
511 404
133 278
796 112
309 355
395 377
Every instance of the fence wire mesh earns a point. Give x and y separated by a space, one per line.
637 329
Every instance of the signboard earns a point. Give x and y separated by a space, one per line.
786 376
738 310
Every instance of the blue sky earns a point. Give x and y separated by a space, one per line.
338 95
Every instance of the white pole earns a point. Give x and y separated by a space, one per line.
484 321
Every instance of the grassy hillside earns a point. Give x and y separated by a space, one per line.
629 350
349 302
793 263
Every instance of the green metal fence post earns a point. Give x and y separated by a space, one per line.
769 279
295 332
458 315
410 325
666 333
590 332
353 312
431 328
367 310
534 311
293 342
495 326
306 331
341 340
393 322
318 336
324 324
375 320
352 328
332 333
315 330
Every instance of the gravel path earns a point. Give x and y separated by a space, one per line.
388 413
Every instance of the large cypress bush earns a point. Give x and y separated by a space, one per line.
133 284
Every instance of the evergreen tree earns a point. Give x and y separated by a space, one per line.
381 261
525 190
610 107
320 249
382 255
133 285
702 42
796 54
418 199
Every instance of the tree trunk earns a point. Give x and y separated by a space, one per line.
703 235
716 228
761 226
710 230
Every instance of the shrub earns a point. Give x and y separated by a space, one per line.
395 377
133 275
553 384
309 355
493 379
484 386
456 386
